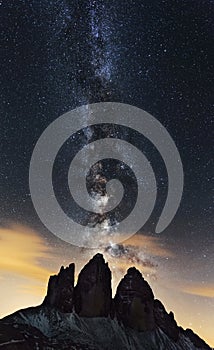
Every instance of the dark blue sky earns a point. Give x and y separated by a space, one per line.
154 55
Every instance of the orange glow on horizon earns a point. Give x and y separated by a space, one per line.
22 272
25 261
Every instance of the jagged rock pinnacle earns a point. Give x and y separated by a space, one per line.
93 294
134 301
60 290
134 306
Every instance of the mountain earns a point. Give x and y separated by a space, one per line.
86 316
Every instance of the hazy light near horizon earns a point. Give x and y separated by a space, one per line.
26 262
22 271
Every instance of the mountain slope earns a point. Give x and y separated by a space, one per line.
86 317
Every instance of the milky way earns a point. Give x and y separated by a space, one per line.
156 55
58 56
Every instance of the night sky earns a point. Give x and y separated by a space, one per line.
155 55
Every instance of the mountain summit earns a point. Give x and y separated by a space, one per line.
86 316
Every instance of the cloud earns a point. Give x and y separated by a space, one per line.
199 289
22 251
150 245
140 251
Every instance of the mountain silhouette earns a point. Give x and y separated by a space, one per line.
86 316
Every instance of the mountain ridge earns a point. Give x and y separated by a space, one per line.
86 316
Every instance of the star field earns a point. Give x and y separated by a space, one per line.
156 55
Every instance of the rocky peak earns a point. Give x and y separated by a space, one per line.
165 321
134 301
93 294
60 290
133 305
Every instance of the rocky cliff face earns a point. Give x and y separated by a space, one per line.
134 302
61 289
165 321
93 294
86 317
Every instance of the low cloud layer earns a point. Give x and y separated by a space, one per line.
22 255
